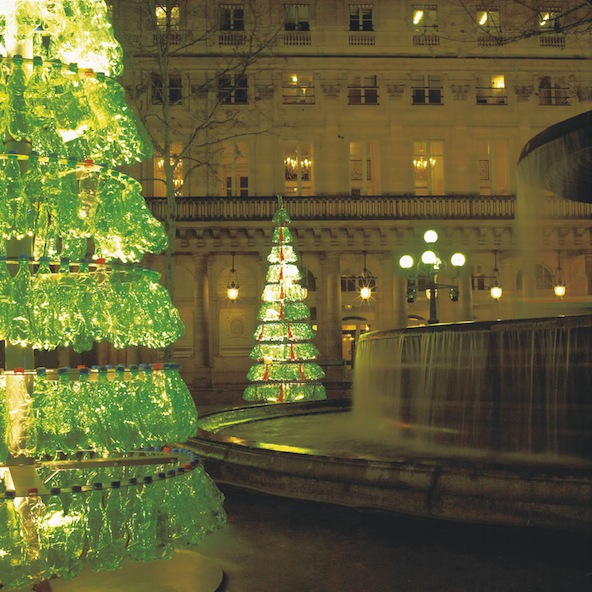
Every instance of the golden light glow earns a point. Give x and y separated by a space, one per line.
559 290
417 16
422 164
496 292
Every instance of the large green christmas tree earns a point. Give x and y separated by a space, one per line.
285 370
89 469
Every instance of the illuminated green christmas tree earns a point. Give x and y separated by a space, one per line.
285 370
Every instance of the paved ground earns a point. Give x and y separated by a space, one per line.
277 545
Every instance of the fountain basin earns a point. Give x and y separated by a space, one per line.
313 451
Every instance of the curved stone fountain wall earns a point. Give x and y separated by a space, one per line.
522 386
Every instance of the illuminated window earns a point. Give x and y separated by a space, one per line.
298 162
425 17
232 17
160 175
489 20
232 90
167 16
161 95
363 90
492 91
360 17
296 17
548 20
428 167
298 89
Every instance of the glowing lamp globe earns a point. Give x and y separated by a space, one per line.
430 236
429 257
457 260
559 290
365 293
496 292
406 261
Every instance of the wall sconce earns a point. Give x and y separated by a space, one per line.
495 290
559 287
232 286
366 282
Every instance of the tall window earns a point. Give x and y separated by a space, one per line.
362 159
363 90
160 92
360 17
235 169
298 166
167 15
428 167
548 20
232 17
553 91
492 90
489 20
425 18
296 17
426 90
160 175
232 90
298 89
494 167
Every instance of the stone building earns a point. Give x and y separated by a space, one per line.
376 122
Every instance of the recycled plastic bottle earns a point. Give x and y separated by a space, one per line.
3 427
17 106
66 407
13 558
20 330
40 121
185 412
75 527
95 519
53 536
27 207
6 299
117 412
143 525
14 189
116 525
88 414
42 408
42 298
32 511
164 518
89 306
3 98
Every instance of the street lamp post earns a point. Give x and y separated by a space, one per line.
429 265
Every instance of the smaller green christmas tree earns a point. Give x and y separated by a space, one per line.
285 370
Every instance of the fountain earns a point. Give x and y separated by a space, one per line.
487 422
503 389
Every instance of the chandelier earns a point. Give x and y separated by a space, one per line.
296 166
423 164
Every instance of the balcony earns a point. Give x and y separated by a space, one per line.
491 96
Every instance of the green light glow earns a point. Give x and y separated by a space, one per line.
284 349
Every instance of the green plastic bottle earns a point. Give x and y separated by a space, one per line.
53 536
6 299
20 330
143 524
14 189
116 526
27 207
95 519
14 571
75 529
17 106
3 97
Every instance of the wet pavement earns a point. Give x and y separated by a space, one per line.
274 544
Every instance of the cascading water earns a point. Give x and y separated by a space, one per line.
504 387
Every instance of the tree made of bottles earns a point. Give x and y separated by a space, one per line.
89 470
285 369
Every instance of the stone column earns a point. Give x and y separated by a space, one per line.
392 293
329 313
201 316
588 259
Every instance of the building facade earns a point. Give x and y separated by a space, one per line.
376 122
